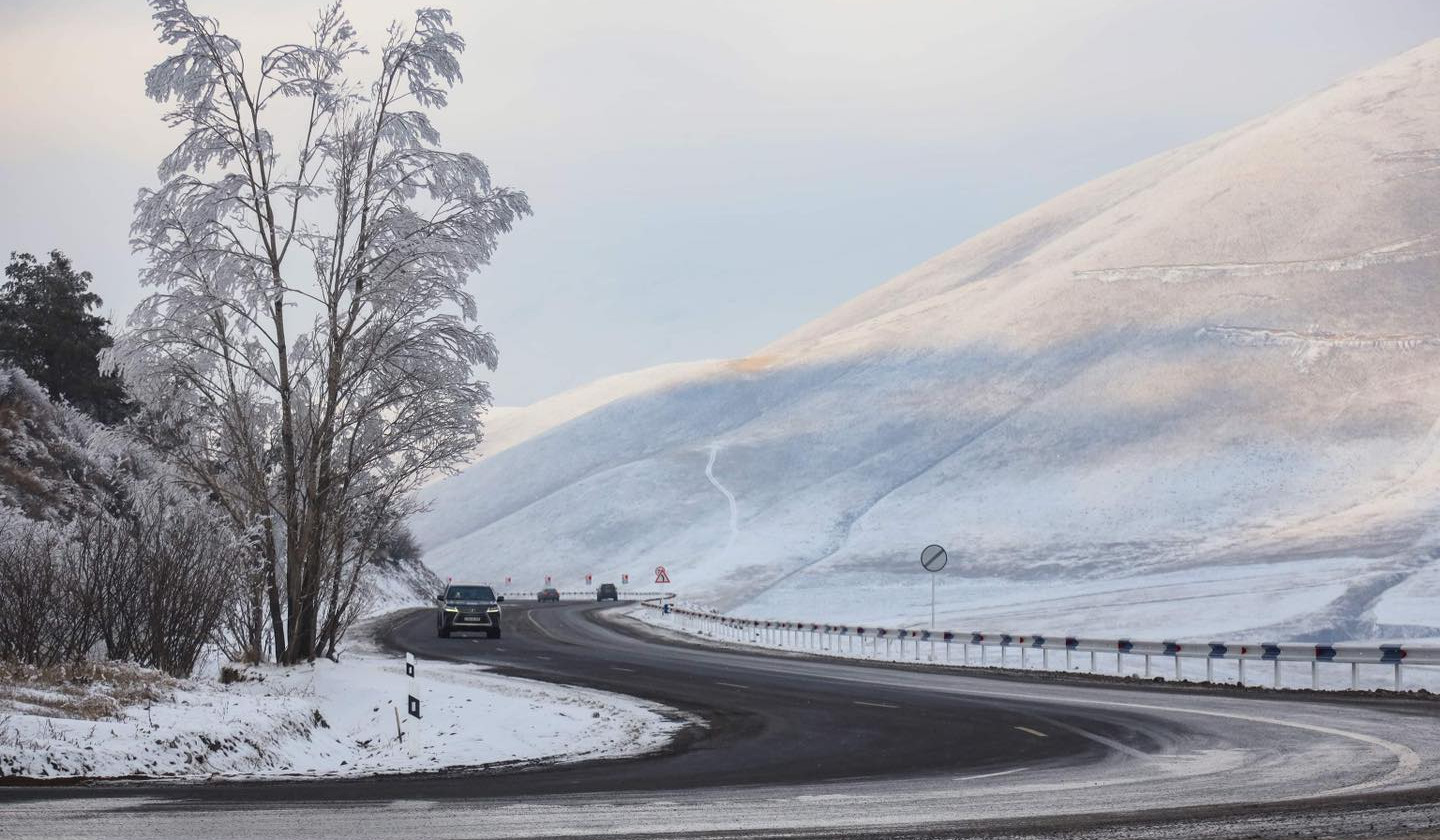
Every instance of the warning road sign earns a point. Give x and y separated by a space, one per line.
661 576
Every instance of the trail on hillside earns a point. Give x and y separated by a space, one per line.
729 497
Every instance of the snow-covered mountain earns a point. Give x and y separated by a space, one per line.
1199 395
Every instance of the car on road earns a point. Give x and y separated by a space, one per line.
468 607
549 593
607 592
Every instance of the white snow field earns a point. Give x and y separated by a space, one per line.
325 719
1200 395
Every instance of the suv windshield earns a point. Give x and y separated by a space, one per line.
469 593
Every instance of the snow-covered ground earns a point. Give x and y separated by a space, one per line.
325 719
1196 396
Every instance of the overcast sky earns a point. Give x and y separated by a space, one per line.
707 176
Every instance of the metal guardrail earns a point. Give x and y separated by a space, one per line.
625 594
824 637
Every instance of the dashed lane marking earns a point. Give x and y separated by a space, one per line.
1037 733
618 668
733 685
990 775
876 705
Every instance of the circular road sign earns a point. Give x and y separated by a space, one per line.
933 558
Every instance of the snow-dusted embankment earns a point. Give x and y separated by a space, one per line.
1195 396
325 719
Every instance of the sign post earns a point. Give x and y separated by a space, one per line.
933 558
662 577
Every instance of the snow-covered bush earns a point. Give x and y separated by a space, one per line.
102 548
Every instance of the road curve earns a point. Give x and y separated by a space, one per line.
800 747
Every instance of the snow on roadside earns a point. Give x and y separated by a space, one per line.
330 719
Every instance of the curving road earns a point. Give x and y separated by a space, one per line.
804 747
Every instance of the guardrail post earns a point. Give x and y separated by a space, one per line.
1209 669
1092 661
983 656
1397 676
1354 675
1242 672
1314 676
1147 666
1119 666
1068 659
1177 666
1022 657
1276 682
1045 658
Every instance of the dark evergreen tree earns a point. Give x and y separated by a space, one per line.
47 329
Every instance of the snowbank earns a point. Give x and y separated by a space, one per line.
324 719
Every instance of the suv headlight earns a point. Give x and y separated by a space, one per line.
493 609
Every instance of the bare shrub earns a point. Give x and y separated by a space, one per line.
43 620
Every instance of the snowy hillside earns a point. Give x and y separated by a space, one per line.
1201 391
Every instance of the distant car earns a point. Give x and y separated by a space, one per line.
607 592
549 593
467 607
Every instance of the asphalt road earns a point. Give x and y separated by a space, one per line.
801 747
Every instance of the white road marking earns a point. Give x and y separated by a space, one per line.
876 705
530 615
990 775
1101 739
1037 733
1407 761
733 685
618 668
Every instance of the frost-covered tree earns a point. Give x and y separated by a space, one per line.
48 330
309 353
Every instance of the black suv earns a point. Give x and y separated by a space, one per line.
607 592
465 607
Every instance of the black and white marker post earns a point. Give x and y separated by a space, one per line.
412 705
413 694
933 558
